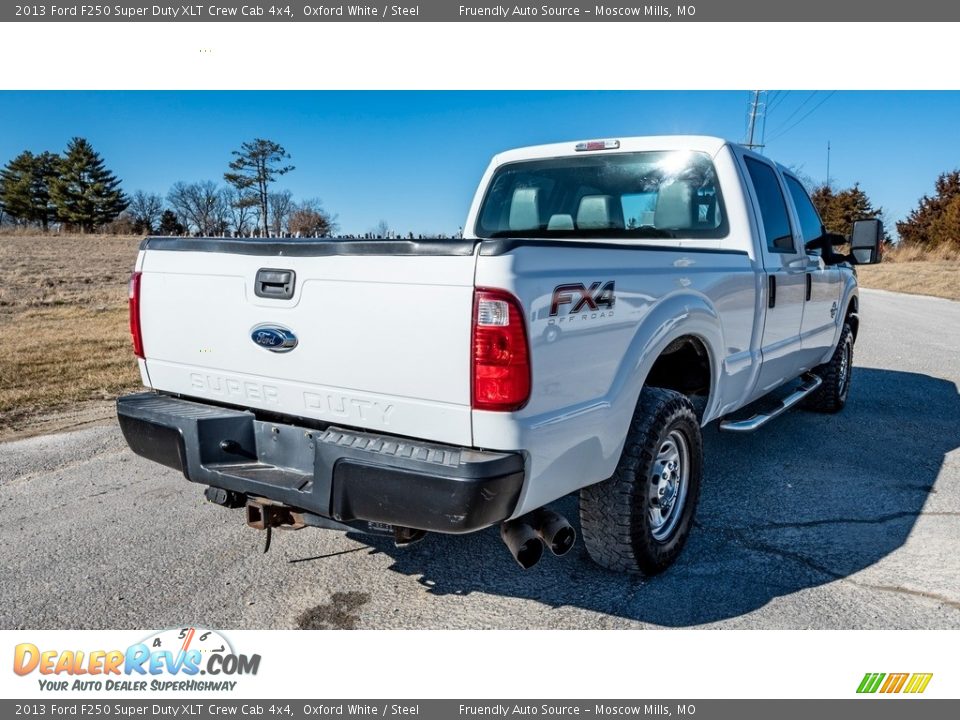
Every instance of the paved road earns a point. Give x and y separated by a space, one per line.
847 521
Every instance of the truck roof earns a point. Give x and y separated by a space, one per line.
701 143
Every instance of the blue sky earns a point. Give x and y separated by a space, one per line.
414 158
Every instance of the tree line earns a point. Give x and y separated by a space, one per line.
77 192
206 208
933 224
75 188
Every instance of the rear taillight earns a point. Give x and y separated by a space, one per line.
135 315
501 358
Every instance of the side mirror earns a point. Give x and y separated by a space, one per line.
826 242
825 245
866 242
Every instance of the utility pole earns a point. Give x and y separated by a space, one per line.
828 163
755 112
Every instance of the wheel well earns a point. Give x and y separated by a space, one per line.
684 366
852 317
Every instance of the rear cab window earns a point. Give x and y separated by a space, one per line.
662 194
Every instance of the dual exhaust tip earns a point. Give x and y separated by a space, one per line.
526 536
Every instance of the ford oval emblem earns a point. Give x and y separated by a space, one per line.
274 338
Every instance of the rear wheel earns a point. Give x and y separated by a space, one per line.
836 374
639 519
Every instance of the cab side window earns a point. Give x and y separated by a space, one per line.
773 206
811 227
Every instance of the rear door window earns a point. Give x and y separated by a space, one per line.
811 227
773 206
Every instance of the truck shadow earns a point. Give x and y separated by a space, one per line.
807 501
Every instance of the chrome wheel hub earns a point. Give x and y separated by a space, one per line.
668 485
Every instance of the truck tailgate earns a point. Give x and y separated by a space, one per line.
383 338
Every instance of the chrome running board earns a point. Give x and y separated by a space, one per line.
810 382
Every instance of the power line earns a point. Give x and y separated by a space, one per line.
773 100
778 97
805 115
799 108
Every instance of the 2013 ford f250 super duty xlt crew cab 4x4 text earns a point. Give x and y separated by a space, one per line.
608 299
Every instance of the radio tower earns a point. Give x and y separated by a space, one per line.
757 110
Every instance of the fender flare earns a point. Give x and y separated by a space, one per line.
678 315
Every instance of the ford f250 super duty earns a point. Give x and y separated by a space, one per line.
608 299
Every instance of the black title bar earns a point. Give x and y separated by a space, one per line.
453 11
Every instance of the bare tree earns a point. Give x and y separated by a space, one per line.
122 224
243 215
257 221
280 204
200 206
178 199
145 210
381 229
221 213
309 219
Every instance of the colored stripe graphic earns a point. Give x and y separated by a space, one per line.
894 683
918 682
870 682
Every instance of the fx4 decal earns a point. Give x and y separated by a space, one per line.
593 298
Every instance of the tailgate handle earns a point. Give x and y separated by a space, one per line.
274 283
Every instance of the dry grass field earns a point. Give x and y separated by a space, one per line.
65 349
910 270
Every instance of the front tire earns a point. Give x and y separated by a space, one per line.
639 519
836 374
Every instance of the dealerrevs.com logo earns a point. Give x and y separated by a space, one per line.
173 659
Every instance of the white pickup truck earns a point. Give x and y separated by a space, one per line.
608 299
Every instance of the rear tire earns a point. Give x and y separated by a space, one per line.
639 519
836 374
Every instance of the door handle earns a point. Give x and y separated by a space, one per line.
772 291
274 283
809 286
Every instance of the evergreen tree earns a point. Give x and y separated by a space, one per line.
85 193
15 187
169 225
839 209
257 164
25 187
936 220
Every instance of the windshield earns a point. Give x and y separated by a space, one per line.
646 194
